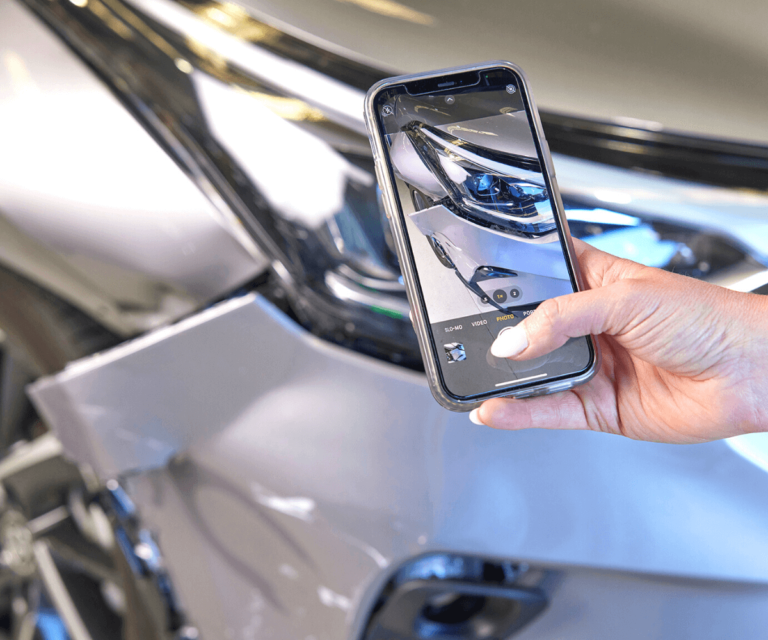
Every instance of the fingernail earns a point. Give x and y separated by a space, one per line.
474 416
509 342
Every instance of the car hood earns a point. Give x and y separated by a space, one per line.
697 66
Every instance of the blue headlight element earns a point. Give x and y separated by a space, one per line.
485 183
657 243
490 188
601 216
624 236
639 243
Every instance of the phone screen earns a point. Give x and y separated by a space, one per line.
480 224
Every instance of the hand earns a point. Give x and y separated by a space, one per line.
683 361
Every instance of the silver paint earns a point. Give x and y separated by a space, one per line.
693 65
287 478
291 491
91 207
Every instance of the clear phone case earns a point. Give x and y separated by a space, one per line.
384 176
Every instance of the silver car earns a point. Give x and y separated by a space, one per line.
213 413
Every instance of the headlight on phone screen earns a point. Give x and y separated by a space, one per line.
271 129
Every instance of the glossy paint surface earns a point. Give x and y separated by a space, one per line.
693 65
291 494
91 207
287 478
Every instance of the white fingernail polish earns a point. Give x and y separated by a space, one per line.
474 416
509 342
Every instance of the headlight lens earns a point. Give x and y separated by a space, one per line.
494 189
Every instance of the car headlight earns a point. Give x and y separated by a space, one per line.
494 189
271 129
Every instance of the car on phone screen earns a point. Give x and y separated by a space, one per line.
229 432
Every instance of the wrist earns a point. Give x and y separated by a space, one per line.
750 360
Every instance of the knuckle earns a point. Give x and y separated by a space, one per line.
627 288
549 313
621 270
628 298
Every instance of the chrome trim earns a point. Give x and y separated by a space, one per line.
648 147
339 101
169 97
133 244
346 289
751 283
632 144
194 103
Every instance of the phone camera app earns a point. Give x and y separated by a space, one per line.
511 89
455 352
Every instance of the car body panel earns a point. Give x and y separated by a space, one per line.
604 59
288 478
289 495
91 208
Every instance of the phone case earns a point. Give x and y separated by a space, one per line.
414 298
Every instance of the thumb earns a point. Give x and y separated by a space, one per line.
609 309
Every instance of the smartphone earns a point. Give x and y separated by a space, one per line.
468 185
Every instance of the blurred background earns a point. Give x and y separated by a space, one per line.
213 415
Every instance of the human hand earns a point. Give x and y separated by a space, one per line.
683 361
